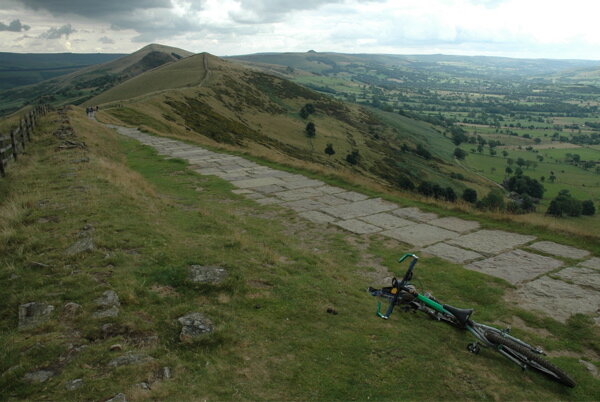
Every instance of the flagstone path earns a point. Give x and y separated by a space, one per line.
543 282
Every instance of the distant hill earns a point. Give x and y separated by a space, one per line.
213 101
84 83
18 69
418 66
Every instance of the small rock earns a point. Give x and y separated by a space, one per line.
72 308
80 246
120 397
129 358
116 347
164 373
73 385
108 299
207 274
108 313
144 385
591 368
39 376
34 313
194 325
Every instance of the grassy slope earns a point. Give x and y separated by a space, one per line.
82 84
153 218
261 113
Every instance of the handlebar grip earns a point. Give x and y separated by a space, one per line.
405 256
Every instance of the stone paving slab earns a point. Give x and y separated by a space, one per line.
304 205
329 199
298 194
386 221
269 189
559 299
455 224
268 201
317 217
491 241
352 196
359 208
420 234
358 227
415 214
265 181
559 250
584 277
294 184
327 189
453 254
516 266
593 262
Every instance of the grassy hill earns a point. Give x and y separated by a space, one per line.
149 219
215 102
89 81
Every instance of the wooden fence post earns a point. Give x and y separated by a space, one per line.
23 129
13 143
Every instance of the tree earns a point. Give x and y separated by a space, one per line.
564 204
588 208
450 195
470 195
353 158
329 150
508 170
525 185
307 110
505 153
493 201
311 130
459 154
425 188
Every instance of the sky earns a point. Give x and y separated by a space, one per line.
556 29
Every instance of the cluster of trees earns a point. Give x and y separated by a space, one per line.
419 150
564 204
429 189
307 110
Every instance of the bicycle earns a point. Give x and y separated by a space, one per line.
524 355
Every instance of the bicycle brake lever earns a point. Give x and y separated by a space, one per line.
385 317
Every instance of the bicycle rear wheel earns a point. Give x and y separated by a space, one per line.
530 358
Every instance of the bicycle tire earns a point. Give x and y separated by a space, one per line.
557 374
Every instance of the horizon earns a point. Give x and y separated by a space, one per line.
525 29
315 51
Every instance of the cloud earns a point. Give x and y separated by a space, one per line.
57 33
94 9
106 40
14 26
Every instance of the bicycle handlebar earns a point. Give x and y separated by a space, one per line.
399 286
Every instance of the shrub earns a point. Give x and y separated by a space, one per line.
588 208
353 158
564 204
459 154
470 195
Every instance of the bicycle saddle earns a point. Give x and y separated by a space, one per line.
461 314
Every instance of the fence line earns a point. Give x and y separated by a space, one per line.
13 144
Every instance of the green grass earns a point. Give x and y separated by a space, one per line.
273 338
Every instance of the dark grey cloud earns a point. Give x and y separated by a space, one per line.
14 26
151 19
94 8
265 11
106 40
57 33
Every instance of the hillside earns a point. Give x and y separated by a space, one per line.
89 81
212 101
19 69
111 246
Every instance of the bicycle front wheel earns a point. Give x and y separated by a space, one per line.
530 358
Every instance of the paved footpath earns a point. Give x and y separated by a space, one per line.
562 286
